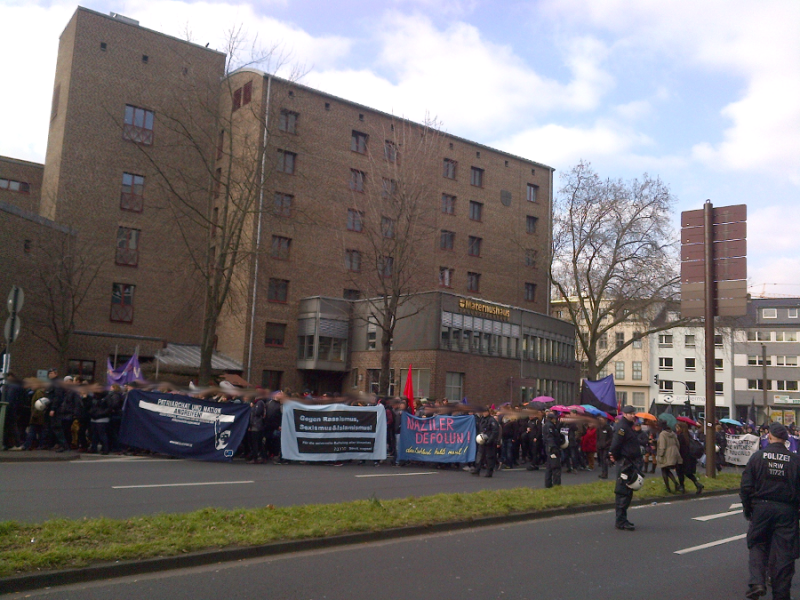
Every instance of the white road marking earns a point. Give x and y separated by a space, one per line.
737 505
711 544
718 515
398 474
158 485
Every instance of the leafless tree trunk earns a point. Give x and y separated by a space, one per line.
614 258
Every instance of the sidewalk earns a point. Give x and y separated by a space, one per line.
14 456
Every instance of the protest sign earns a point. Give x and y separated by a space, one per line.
333 432
740 448
183 426
437 439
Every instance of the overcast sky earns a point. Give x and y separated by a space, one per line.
702 93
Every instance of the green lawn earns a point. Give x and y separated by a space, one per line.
66 543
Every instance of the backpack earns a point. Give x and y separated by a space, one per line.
696 449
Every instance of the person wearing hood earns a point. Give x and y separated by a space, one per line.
668 455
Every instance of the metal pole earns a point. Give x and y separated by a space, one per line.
765 382
708 250
116 352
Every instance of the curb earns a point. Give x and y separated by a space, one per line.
20 583
25 457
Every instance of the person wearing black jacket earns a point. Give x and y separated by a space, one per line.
533 435
770 493
255 430
63 408
115 403
99 413
552 439
486 454
625 452
604 433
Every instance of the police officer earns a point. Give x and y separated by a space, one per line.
770 493
551 438
625 452
486 454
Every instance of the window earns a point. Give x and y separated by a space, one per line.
690 364
665 340
305 347
447 240
758 384
637 341
473 282
122 302
127 246
532 192
449 168
373 381
351 294
454 386
785 361
387 227
220 143
280 247
691 388
530 259
476 177
758 336
357 180
247 93
619 369
388 187
474 246
446 277
286 161
385 266
237 99
530 292
792 313
448 204
81 368
283 205
530 224
689 340
275 334
390 151
288 121
15 186
718 364
475 210
358 142
638 400
785 386
271 380
132 195
636 370
718 340
332 349
355 220
352 260
278 290
719 388
602 341
622 398
769 313
665 363
620 338
138 125
372 335
785 336
665 386
758 360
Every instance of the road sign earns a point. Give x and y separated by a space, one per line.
722 214
722 232
12 328
725 269
15 299
724 249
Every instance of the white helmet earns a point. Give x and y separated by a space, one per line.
481 438
716 447
41 404
565 443
635 483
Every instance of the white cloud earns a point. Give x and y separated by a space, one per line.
774 275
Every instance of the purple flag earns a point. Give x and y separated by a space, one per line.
127 373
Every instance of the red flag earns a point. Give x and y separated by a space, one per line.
408 391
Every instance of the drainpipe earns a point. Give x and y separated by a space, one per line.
258 231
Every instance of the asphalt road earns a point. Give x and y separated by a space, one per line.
122 487
577 557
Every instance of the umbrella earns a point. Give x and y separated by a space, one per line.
533 405
689 421
609 416
730 422
592 410
544 399
668 419
577 408
559 408
646 416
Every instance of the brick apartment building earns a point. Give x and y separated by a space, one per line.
318 170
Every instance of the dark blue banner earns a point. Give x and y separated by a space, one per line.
438 439
183 426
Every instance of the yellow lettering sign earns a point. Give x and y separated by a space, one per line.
488 309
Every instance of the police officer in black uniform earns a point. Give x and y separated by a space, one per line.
486 453
625 452
770 493
552 438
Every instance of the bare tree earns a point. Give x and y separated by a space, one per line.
66 267
393 206
614 258
217 207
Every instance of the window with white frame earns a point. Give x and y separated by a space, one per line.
689 340
636 370
792 313
454 386
719 388
691 388
665 386
785 336
786 361
783 385
756 335
665 363
769 313
690 364
665 340
619 370
758 384
758 360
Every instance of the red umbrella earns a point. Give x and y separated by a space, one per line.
689 421
576 408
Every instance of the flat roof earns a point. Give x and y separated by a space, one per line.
391 116
19 161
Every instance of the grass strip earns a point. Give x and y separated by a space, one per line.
70 543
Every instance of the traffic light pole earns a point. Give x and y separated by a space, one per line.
711 409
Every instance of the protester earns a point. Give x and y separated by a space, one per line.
669 455
589 445
626 453
688 464
552 439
